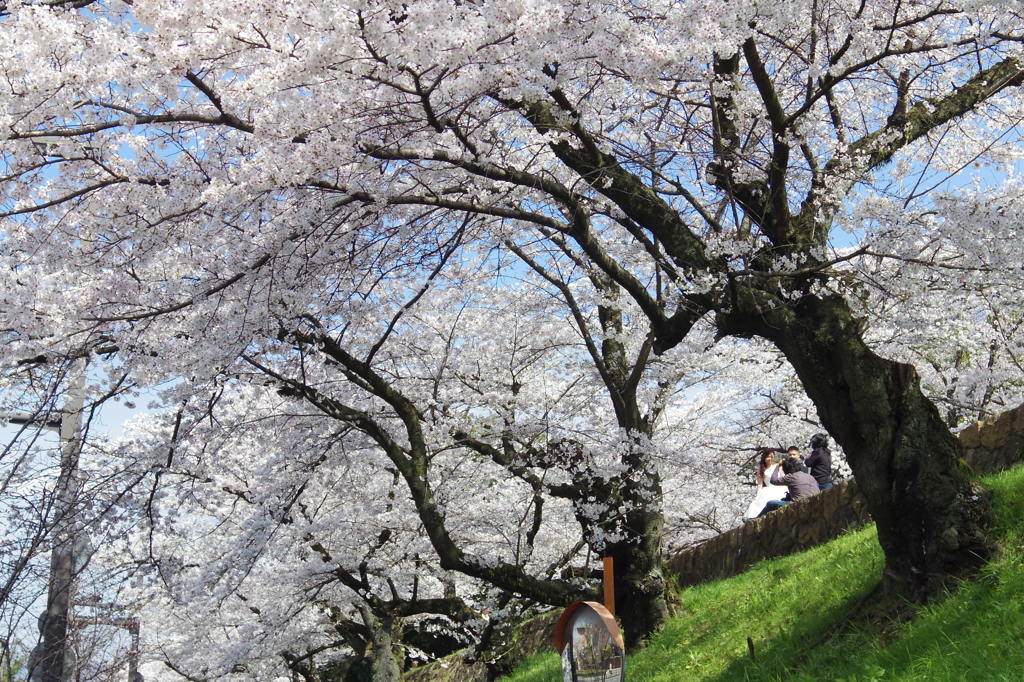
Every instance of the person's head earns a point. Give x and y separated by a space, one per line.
793 451
767 458
819 440
791 465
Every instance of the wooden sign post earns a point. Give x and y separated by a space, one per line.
609 584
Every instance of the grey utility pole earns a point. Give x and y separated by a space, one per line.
62 560
54 626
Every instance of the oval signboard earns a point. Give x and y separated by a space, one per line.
590 642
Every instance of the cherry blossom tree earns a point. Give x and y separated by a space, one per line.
967 347
269 189
524 468
272 540
268 547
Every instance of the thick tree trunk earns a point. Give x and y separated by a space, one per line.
640 587
384 667
931 519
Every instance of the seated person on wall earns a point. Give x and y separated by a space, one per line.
765 490
820 461
800 484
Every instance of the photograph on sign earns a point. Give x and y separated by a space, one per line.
590 644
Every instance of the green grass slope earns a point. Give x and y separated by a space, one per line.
817 616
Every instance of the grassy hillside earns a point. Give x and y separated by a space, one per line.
818 616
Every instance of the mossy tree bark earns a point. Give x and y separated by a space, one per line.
640 586
385 633
639 579
930 517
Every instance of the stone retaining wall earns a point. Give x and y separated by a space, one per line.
996 443
797 526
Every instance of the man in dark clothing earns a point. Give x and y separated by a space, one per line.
820 461
800 484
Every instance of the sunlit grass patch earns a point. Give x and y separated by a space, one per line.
795 611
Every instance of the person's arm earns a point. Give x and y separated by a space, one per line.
778 478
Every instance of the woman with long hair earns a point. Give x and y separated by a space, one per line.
767 463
